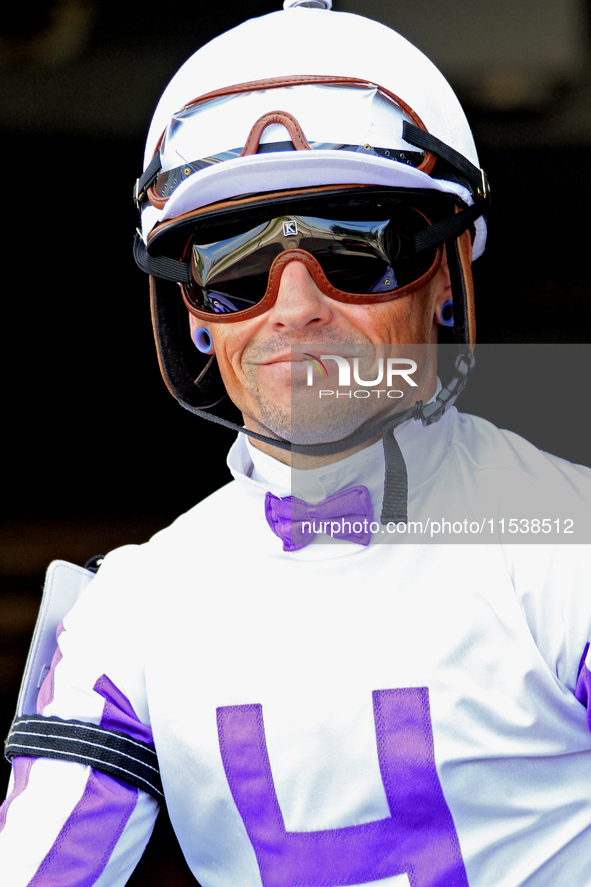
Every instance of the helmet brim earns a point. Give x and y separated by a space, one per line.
270 172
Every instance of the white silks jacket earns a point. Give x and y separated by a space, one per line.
412 711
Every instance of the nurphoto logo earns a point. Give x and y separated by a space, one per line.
314 362
385 372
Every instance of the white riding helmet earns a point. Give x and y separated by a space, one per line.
347 49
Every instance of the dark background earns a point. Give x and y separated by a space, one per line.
95 452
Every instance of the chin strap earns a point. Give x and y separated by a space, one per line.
396 481
395 501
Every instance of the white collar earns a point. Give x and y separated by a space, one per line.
423 449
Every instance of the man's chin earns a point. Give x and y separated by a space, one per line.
284 406
316 423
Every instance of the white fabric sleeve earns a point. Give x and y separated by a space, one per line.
66 823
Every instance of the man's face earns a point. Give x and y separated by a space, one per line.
261 372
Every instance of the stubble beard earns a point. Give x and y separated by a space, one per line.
300 415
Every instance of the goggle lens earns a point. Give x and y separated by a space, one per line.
357 256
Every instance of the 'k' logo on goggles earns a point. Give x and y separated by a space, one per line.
368 255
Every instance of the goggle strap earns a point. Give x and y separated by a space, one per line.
422 139
451 228
160 266
147 178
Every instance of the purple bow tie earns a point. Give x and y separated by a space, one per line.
344 515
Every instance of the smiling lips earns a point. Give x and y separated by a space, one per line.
290 358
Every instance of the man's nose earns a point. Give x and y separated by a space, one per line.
300 304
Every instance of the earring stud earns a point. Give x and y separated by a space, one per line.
202 340
446 316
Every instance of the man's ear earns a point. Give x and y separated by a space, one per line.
201 336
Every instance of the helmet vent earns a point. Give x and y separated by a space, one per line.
312 4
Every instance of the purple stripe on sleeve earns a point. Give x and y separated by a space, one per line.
45 696
86 841
583 687
118 712
21 767
85 844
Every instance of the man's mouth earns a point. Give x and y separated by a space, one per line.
290 357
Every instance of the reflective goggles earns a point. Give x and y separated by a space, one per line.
361 260
329 113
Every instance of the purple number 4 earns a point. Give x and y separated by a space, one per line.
418 838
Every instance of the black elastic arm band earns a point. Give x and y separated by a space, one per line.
109 751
